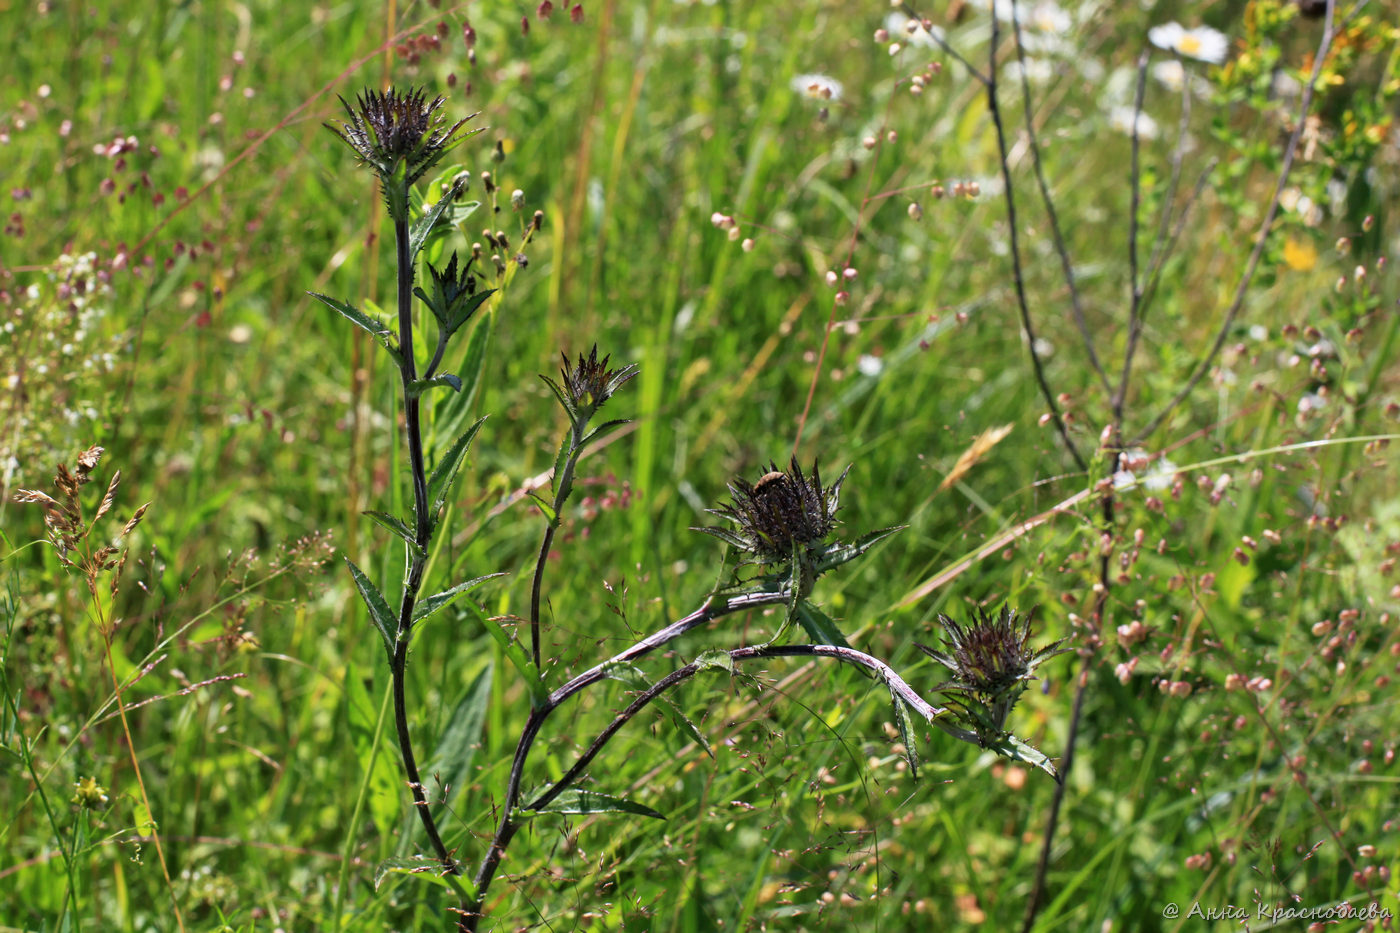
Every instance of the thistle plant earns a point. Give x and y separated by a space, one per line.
781 528
401 136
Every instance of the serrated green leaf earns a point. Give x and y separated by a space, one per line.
906 736
715 659
725 535
397 526
418 236
576 800
819 626
633 677
421 867
362 717
467 308
440 483
432 604
842 553
371 324
550 515
457 748
1012 747
514 653
562 396
379 612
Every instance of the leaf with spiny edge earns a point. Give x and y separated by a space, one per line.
418 386
838 554
437 601
379 612
440 483
398 526
576 800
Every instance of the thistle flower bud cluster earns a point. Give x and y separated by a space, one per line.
400 135
992 664
783 512
587 384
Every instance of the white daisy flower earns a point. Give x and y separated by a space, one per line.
818 87
1202 43
1121 119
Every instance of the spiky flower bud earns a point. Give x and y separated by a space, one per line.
992 663
400 135
586 385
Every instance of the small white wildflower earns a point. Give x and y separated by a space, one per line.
869 365
1159 475
1121 119
1170 74
1202 43
1049 18
1037 71
914 31
818 87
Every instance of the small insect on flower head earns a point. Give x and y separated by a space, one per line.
781 511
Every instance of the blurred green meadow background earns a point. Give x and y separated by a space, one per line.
706 171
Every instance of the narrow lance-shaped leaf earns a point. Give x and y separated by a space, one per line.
379 612
841 553
562 396
514 653
398 527
424 227
467 308
1009 746
549 514
585 802
372 325
432 604
906 735
819 626
440 483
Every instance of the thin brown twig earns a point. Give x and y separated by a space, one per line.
1237 302
1134 285
1018 279
1057 236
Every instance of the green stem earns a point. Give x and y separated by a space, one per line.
563 485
